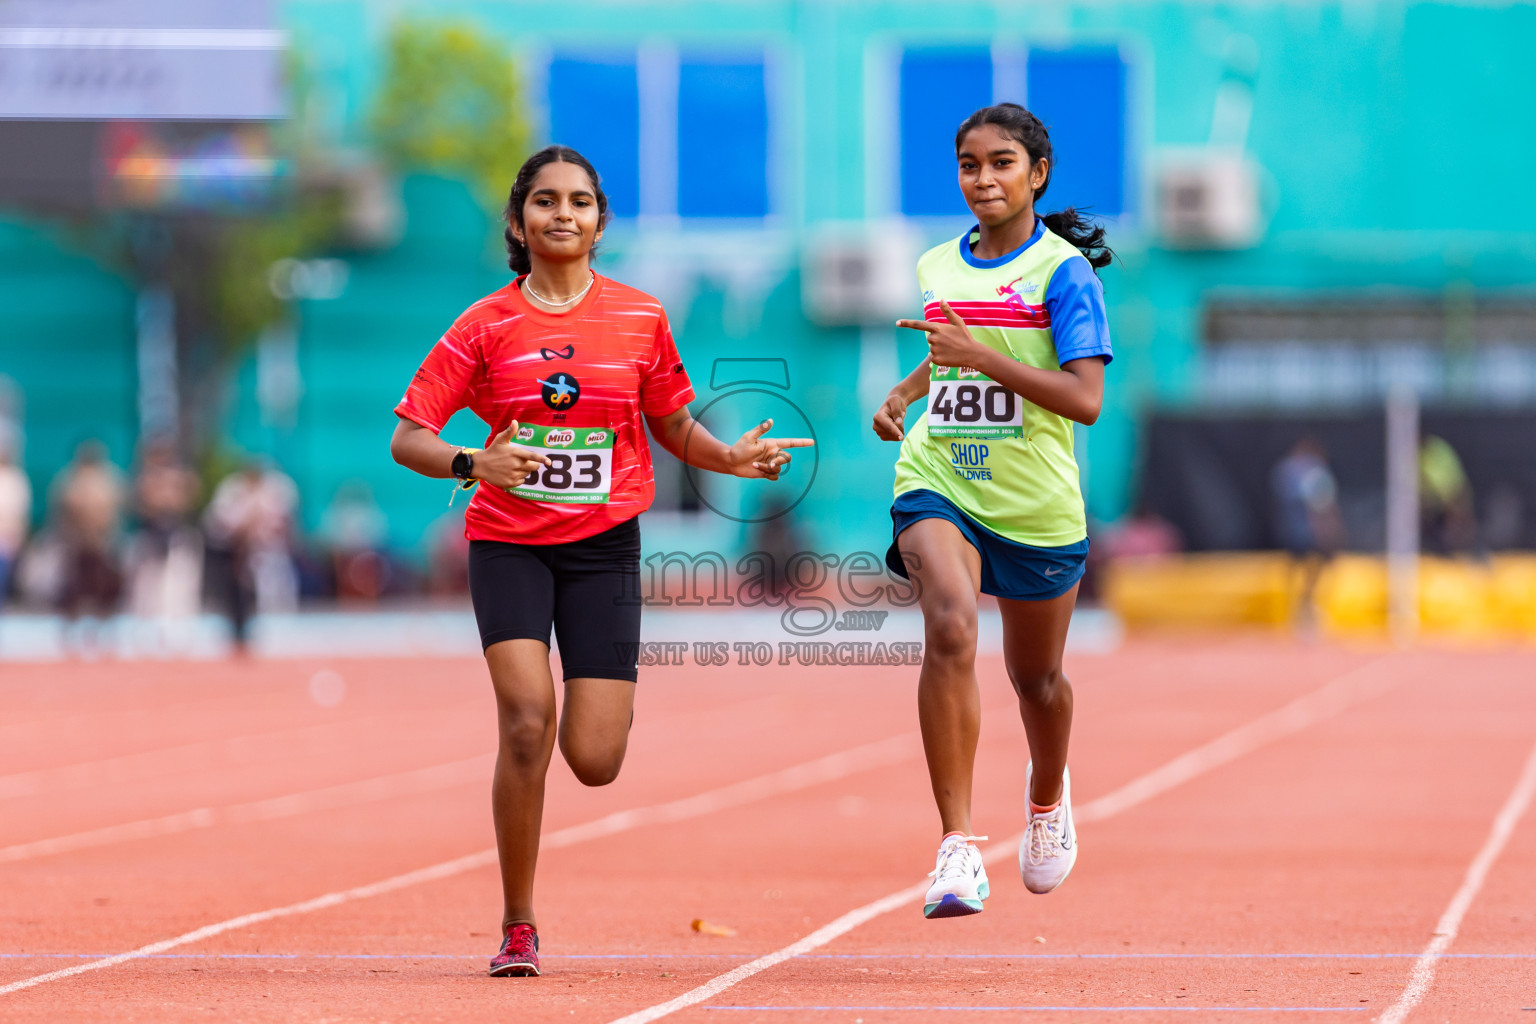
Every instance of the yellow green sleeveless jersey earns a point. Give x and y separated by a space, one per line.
1006 462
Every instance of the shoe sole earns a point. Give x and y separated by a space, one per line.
954 906
515 971
951 906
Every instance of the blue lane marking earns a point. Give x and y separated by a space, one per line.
1070 1009
808 956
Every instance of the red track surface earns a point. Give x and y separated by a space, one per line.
1343 842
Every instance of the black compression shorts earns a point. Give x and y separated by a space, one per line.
588 590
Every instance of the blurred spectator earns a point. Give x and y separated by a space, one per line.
15 507
248 528
1307 517
164 563
1142 535
353 529
1445 499
448 555
1503 516
1145 534
88 496
776 535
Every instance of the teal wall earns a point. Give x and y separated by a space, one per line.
66 341
1393 136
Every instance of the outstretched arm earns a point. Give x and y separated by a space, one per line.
753 456
1075 391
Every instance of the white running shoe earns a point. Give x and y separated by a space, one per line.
959 879
1049 847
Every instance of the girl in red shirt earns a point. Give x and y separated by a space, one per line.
569 368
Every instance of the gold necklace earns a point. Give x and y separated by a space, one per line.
528 284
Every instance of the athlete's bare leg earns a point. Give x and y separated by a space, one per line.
594 727
525 716
947 571
1034 636
593 733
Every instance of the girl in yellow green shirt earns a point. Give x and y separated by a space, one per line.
987 497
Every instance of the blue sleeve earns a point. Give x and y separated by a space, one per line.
1075 301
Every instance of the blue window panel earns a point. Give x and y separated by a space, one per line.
1080 95
722 139
594 107
939 89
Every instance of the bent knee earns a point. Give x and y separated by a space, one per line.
1038 687
951 632
595 769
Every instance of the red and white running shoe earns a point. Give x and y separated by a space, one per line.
519 955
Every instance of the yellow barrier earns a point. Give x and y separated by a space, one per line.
1514 589
1460 598
1201 590
1351 595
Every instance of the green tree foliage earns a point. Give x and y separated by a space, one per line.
451 105
305 218
237 296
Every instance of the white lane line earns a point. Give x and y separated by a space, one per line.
1354 687
273 745
431 779
349 794
820 937
802 776
1423 975
1349 689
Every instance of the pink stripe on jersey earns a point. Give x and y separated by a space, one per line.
1014 313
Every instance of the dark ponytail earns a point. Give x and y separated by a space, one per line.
1025 128
517 252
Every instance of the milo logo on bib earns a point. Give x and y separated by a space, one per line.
963 402
582 477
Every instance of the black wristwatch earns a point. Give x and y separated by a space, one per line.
463 464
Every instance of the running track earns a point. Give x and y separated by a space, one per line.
1269 832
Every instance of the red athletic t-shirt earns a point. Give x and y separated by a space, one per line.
504 359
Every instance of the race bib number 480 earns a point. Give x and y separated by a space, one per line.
580 470
964 403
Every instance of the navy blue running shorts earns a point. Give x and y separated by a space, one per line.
1020 572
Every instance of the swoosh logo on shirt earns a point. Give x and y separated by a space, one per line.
1056 571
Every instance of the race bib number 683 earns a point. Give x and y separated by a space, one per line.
964 403
580 469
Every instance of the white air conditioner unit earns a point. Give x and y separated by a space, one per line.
860 274
1209 199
